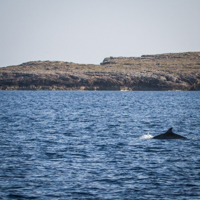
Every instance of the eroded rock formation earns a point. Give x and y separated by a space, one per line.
174 71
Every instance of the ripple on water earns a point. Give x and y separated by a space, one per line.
97 145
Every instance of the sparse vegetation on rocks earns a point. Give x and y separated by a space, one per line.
173 71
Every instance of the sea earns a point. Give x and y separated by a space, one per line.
98 145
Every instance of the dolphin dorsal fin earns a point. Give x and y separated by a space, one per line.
169 131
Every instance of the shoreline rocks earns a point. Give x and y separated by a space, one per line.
175 71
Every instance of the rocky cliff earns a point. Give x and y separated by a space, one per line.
174 71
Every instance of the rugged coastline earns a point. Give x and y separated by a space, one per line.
172 71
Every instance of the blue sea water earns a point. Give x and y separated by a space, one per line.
97 145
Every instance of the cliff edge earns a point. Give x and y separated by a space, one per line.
173 71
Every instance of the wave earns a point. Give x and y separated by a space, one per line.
147 136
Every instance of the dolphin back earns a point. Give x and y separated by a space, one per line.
169 135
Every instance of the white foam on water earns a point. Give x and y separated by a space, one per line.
147 136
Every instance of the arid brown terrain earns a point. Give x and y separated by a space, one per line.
173 71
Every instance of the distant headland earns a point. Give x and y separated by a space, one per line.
171 71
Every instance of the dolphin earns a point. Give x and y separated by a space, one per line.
169 135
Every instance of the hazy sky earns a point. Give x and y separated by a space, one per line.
87 31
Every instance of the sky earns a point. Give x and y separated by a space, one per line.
87 31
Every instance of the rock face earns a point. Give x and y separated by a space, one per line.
174 71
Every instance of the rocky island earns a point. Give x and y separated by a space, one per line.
172 71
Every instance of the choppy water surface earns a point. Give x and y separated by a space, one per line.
90 145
